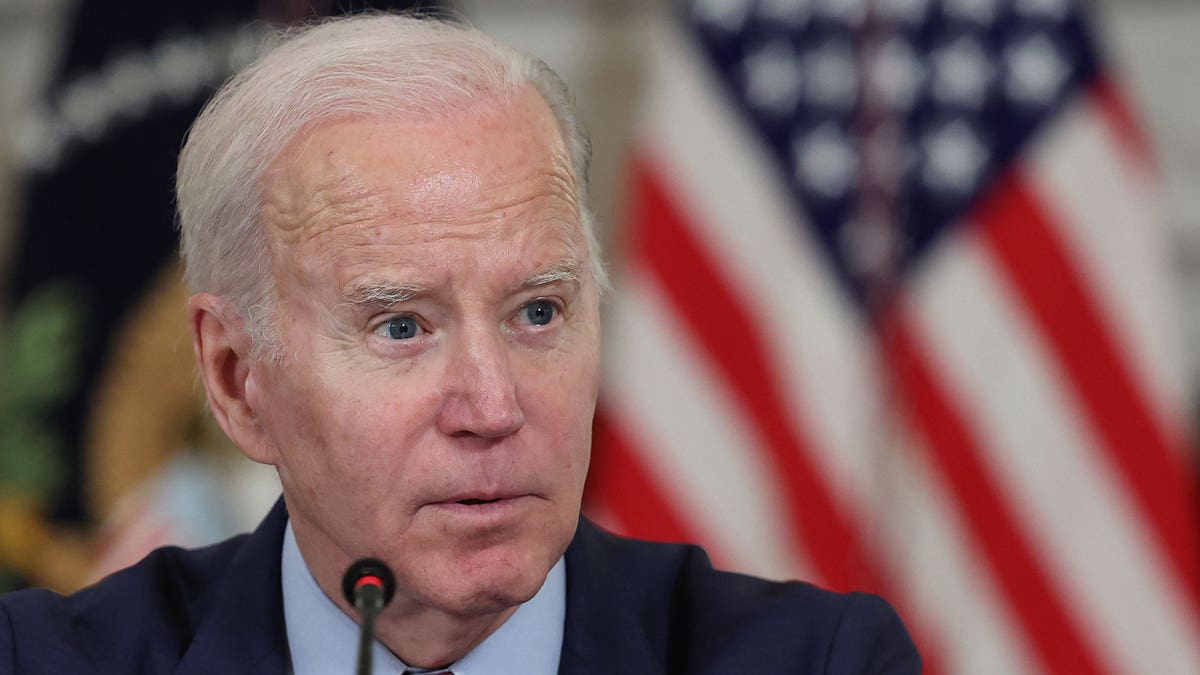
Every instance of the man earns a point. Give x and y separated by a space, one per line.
396 305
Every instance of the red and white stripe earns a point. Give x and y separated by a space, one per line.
1004 458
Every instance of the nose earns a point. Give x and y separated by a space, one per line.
481 392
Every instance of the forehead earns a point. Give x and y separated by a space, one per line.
473 172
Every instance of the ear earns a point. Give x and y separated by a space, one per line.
223 351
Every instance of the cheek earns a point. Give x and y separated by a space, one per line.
566 379
366 418
329 423
562 401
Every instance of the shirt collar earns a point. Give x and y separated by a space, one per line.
322 639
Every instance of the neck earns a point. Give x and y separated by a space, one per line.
411 627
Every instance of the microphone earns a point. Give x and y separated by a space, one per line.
368 585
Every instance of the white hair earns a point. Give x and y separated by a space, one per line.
378 65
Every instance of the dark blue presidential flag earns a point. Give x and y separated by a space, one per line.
105 449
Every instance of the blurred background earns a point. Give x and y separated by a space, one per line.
903 300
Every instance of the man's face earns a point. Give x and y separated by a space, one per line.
440 343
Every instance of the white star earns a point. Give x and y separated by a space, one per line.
961 73
954 156
825 162
982 12
789 12
773 78
1034 70
725 14
907 11
1050 9
898 74
832 75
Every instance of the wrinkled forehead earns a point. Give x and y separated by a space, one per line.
451 166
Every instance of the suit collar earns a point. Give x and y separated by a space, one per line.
603 634
242 627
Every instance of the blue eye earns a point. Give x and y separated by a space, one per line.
401 328
540 312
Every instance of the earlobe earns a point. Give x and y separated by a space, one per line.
223 353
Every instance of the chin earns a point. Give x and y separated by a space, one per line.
493 581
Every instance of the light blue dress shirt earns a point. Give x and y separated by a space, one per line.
323 640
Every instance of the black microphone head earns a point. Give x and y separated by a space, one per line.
368 571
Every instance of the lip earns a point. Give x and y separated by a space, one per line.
483 505
481 497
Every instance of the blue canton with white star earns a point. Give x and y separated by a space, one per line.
949 91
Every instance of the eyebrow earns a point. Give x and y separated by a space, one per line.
566 270
380 294
386 294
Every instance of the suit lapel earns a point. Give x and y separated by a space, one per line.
602 634
241 629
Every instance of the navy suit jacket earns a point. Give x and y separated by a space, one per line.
632 607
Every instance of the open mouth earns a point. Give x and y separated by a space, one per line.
476 502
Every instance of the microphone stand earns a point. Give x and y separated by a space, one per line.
368 585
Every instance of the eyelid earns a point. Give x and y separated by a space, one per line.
557 302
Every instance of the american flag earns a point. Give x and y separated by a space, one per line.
893 313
